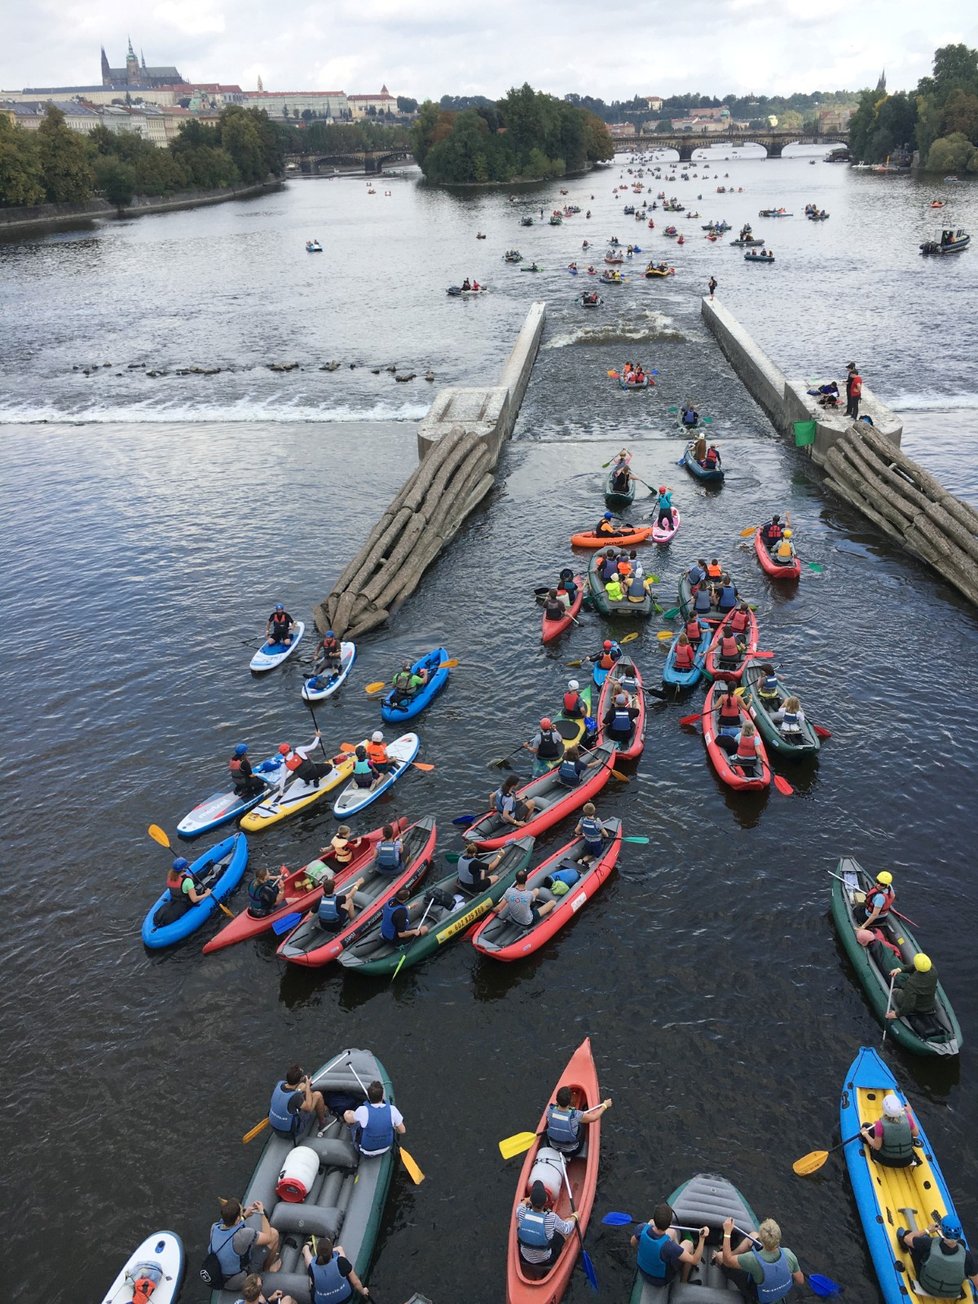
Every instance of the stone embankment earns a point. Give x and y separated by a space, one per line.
459 442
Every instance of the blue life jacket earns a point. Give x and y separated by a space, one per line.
361 767
777 1279
388 930
499 801
567 774
635 587
649 1256
592 830
329 912
328 1284
769 688
727 597
379 1132
281 1119
703 600
609 567
389 856
532 1229
789 723
220 1246
695 575
621 722
563 1128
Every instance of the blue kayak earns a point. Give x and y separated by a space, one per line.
437 679
687 678
220 869
222 807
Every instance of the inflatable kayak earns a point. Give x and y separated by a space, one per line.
220 868
345 1191
715 476
633 384
796 747
501 939
447 910
437 672
937 1033
778 570
553 802
312 946
687 602
270 655
623 539
523 1285
160 1260
605 605
222 807
889 1198
687 678
245 925
616 499
298 796
352 799
318 687
724 763
554 628
716 667
661 533
627 678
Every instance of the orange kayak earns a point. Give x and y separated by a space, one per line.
588 539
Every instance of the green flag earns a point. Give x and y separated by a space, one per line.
804 433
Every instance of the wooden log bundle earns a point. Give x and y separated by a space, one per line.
427 512
908 504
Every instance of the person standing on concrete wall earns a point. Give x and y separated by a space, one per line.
854 390
712 285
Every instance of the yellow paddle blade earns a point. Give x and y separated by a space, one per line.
414 1172
629 638
250 1136
808 1164
739 692
666 633
749 529
448 665
617 774
375 687
157 834
511 1146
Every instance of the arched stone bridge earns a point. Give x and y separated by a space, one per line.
686 142
372 161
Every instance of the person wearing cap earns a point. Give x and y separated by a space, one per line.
699 448
854 390
406 683
613 589
606 526
760 1269
607 657
661 1254
573 706
547 747
540 1233
941 1261
893 1135
663 505
377 753
619 719
246 782
184 892
475 874
784 553
298 765
879 901
280 626
914 988
566 586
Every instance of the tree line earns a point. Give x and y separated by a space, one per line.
527 134
58 166
939 118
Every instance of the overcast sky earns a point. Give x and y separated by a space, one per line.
427 48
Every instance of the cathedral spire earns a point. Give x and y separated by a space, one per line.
881 84
132 52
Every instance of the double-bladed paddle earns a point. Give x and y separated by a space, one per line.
378 684
349 748
159 836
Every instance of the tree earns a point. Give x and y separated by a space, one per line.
21 178
406 105
951 154
115 179
961 114
63 155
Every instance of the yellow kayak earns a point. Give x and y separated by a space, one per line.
298 796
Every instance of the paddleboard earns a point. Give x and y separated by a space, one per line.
317 687
352 799
270 655
161 1259
222 807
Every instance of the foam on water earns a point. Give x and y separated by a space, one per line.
648 325
246 409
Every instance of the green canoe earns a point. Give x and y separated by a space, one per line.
599 596
799 748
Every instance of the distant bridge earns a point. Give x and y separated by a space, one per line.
373 161
773 140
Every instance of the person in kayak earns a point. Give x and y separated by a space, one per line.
590 828
242 1240
295 1107
375 1122
246 782
638 570
621 478
606 527
763 1269
690 417
768 688
914 988
184 889
619 719
571 768
573 706
879 901
567 1126
784 553
728 719
893 1135
725 594
772 532
540 1233
332 1277
712 460
941 1261
280 626
693 630
607 658
740 618
252 1292
407 683
684 657
342 846
554 607
664 507
568 585
395 919
297 764
475 874
790 719
520 903
390 852
511 809
731 649
747 757
703 600
714 571
608 565
696 573
661 1254
546 745
335 911
699 449
265 893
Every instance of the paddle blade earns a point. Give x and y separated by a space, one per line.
821 731
588 1266
452 857
617 774
748 530
423 765
463 821
414 1172
629 638
614 376
397 970
286 924
511 1146
783 786
663 634
614 1219
573 665
250 1136
375 687
689 719
638 838
671 614
810 1163
448 665
823 1286
815 567
157 834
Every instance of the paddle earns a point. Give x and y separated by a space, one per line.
586 1264
504 759
415 1173
889 1006
158 835
260 1127
286 923
378 684
818 569
814 1160
629 638
518 1144
822 1285
671 614
663 634
397 968
911 922
616 1219
315 722
349 748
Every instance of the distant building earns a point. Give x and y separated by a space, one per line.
135 75
31 113
653 102
370 106
833 119
292 104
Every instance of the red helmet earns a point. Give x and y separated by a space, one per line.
607 645
546 723
284 748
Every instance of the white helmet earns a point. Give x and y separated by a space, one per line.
573 685
376 736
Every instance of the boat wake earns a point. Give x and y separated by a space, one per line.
650 326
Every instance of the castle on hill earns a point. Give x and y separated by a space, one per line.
135 75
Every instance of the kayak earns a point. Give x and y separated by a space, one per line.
160 1259
318 687
604 604
572 729
725 765
923 1034
700 472
448 911
553 799
222 807
686 600
661 533
348 1193
633 384
502 939
687 678
554 628
889 1198
714 665
298 796
541 1161
615 498
778 570
796 748
438 672
245 925
352 799
270 655
626 678
220 868
311 946
624 539
703 1201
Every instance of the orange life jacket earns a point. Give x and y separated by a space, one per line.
714 572
377 753
729 648
142 1288
684 657
293 761
606 661
740 620
694 631
747 747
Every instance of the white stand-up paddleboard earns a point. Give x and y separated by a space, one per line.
270 655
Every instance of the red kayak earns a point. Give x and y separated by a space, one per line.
582 1173
554 628
626 677
777 570
311 946
726 766
713 664
245 925
553 799
501 939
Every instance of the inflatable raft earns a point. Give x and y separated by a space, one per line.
687 678
553 629
797 747
778 570
714 476
714 664
725 764
627 678
605 605
625 539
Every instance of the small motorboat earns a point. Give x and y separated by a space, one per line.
951 242
464 291
313 247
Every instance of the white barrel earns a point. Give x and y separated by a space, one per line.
548 1169
298 1174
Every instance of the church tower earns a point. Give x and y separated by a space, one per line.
106 75
881 84
132 67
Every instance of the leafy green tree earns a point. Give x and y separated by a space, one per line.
241 139
63 155
952 154
961 114
406 105
21 178
115 180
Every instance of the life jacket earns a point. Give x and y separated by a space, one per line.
377 752
568 774
711 458
703 600
591 829
683 657
942 1275
236 767
563 1128
614 590
694 630
605 527
897 1147
606 661
281 1119
174 882
388 930
389 856
379 1132
554 609
650 1259
856 386
747 747
785 550
727 597
772 532
776 1282
888 895
789 723
769 689
331 647
572 703
621 721
740 620
608 568
463 870
532 1230
329 910
499 801
220 1246
695 576
329 1286
340 848
293 761
729 714
281 618
261 897
635 589
362 770
142 1289
402 679
729 648
551 745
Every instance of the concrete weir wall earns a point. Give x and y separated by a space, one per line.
459 442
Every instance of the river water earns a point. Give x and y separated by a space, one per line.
150 523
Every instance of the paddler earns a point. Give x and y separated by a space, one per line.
181 885
246 782
332 1276
395 919
784 553
297 765
683 657
520 903
590 828
406 683
941 1261
914 988
377 753
295 1106
252 1292
375 1122
573 706
328 654
564 1123
567 585
893 1135
540 1233
664 507
546 745
613 589
279 627
243 1237
607 657
606 527
265 893
553 607
879 901
474 873
661 1254
511 809
336 910
619 719
762 1269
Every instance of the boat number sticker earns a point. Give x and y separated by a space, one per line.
468 918
578 902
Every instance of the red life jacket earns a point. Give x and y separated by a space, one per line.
710 460
694 631
747 747
773 532
729 648
330 646
571 702
728 711
888 894
293 761
236 766
281 618
174 881
740 620
142 1288
684 657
